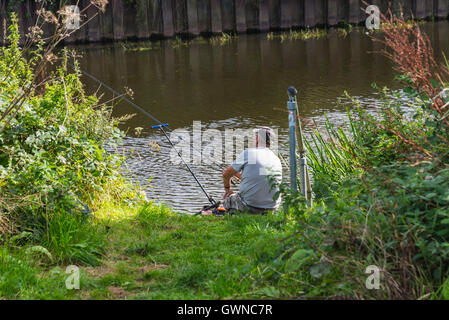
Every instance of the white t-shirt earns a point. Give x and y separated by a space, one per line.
257 165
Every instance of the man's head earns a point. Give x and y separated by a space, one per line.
264 137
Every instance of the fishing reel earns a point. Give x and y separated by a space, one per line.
217 209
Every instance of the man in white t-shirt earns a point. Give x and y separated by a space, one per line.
254 166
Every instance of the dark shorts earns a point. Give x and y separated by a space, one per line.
234 203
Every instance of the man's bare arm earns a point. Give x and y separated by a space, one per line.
228 173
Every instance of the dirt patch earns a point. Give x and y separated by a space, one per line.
100 271
150 267
123 258
118 293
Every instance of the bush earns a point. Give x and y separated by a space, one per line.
381 187
54 168
381 198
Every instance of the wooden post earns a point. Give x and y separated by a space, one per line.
321 11
274 14
167 17
309 13
408 8
228 14
240 16
130 20
299 13
21 16
264 18
215 13
93 26
117 19
81 34
286 14
420 9
192 17
441 10
332 12
180 17
106 24
342 11
143 31
252 16
204 16
294 13
155 17
429 8
355 12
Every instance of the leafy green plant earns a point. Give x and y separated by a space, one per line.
54 167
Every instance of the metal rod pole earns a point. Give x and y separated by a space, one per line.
291 106
302 159
306 189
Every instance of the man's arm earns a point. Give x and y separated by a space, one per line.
228 173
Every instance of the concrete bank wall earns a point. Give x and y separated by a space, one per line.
145 19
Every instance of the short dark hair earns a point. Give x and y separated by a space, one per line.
268 137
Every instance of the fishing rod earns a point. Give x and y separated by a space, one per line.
161 127
149 115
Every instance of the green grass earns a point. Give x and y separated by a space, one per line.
306 34
158 254
154 253
22 277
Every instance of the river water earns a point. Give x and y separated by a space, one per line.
241 84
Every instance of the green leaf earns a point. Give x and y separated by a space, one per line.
39 249
299 259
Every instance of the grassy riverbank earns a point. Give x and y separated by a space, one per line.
381 186
63 202
153 253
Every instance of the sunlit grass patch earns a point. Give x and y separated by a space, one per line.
174 256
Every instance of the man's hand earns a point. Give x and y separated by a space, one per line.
228 193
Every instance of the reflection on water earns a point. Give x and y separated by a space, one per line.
240 85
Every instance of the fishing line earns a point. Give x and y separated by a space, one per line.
161 127
221 166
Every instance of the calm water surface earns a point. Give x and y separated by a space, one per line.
239 85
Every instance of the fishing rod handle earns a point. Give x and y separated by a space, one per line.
159 126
